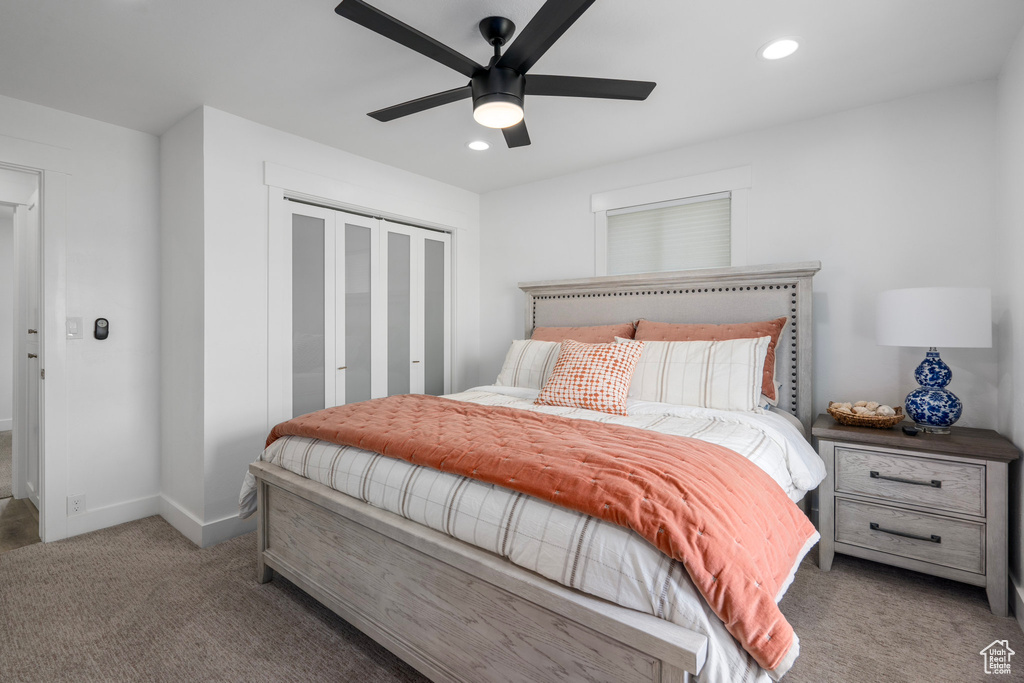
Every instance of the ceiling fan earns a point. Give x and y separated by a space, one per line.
498 89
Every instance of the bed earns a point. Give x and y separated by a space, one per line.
458 612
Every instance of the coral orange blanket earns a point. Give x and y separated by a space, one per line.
726 520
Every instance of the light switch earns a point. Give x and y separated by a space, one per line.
74 328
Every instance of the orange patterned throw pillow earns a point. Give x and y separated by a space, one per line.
592 376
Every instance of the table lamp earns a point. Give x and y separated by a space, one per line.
932 317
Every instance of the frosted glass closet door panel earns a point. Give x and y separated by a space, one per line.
436 315
312 311
357 292
307 314
399 283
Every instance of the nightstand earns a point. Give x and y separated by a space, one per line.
934 503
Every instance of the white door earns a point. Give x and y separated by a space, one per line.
312 312
416 270
334 257
357 297
28 350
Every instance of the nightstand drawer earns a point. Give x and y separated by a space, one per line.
949 542
956 487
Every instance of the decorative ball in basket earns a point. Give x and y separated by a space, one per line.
866 414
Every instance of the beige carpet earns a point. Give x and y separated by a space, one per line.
19 526
5 465
871 623
138 602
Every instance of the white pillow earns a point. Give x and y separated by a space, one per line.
528 363
725 375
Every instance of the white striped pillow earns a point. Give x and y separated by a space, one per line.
528 363
725 375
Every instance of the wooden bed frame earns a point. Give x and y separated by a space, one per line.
458 613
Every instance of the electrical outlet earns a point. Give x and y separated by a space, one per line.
76 504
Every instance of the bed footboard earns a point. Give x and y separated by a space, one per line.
453 611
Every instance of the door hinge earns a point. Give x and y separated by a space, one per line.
42 374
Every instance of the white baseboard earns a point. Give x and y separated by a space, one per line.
112 515
227 528
1017 597
203 534
182 520
6 424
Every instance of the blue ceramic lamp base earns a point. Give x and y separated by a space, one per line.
933 407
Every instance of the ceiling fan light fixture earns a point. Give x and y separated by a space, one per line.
498 111
498 89
778 49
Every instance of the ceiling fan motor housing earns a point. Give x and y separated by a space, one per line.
497 84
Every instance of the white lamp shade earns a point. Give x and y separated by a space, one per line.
943 317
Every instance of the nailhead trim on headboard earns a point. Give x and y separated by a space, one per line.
777 277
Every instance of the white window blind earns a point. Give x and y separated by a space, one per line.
675 235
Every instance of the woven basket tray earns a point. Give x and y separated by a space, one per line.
876 421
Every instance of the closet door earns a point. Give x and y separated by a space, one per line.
357 244
334 281
436 277
313 304
360 308
416 271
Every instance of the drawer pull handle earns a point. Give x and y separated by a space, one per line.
933 538
934 483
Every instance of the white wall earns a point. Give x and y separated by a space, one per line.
112 272
898 194
1009 308
6 317
234 270
181 321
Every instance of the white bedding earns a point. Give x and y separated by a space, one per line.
578 551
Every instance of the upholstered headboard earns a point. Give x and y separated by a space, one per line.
714 295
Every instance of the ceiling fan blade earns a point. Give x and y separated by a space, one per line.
549 23
577 86
517 135
389 27
422 104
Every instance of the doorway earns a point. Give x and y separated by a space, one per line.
20 358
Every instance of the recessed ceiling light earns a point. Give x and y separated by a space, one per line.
478 145
777 49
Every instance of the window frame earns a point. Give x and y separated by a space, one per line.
735 181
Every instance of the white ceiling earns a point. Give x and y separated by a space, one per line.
296 66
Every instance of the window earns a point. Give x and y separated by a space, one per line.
681 224
676 235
